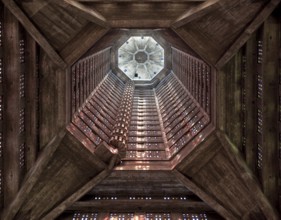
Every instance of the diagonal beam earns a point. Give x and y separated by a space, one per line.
195 13
246 34
194 45
212 202
34 32
88 13
82 191
82 42
249 180
33 175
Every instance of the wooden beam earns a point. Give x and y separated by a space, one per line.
38 37
84 11
206 147
80 192
82 42
233 123
205 196
195 13
11 95
32 176
270 108
195 46
241 40
140 1
140 23
153 205
31 113
250 103
249 180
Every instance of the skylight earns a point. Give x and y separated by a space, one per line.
141 58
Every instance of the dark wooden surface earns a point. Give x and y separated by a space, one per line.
211 35
11 168
215 171
218 180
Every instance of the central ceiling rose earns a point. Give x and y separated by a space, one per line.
141 58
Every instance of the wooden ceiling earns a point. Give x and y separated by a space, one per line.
215 29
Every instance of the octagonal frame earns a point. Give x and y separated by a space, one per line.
197 140
137 33
141 58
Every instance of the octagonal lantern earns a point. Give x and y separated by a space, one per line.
141 58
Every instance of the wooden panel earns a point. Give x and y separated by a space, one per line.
205 196
232 95
33 31
65 172
250 100
89 35
214 33
198 162
66 203
196 13
224 179
110 39
140 183
32 95
11 130
146 203
116 1
175 41
255 23
85 12
271 44
33 175
58 24
141 11
218 170
52 104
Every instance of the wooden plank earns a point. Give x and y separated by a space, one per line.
38 37
11 117
52 98
82 42
238 43
32 7
233 124
153 205
270 69
221 102
79 193
194 45
151 23
196 13
31 113
82 10
205 196
199 150
250 103
249 180
130 1
57 24
32 176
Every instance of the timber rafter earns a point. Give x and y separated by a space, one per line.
34 32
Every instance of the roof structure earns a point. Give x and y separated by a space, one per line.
128 109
